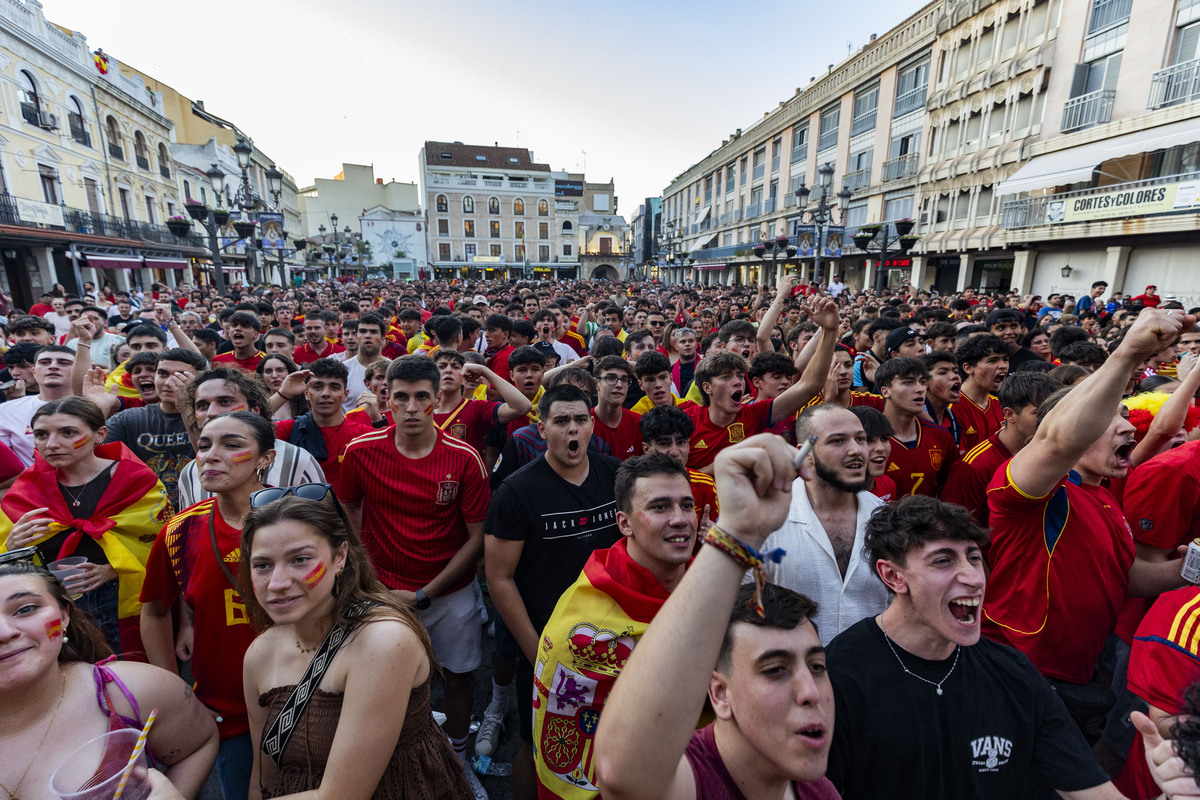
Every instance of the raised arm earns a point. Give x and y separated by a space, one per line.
82 333
644 730
763 340
1085 413
548 376
823 311
515 404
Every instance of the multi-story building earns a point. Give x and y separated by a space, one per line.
645 227
1035 144
603 246
865 116
351 192
86 173
494 212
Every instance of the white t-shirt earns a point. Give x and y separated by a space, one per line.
61 323
836 288
355 382
15 416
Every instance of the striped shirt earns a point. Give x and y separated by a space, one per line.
415 510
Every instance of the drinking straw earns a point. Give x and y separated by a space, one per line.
137 751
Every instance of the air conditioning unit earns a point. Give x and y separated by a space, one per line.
48 121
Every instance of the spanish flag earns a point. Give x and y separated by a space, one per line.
126 522
122 380
583 649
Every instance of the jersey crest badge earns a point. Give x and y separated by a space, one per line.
935 457
447 491
459 431
736 433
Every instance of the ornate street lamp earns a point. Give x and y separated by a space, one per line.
822 214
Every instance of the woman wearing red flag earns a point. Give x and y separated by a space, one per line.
84 498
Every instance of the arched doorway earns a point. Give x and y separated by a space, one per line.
606 272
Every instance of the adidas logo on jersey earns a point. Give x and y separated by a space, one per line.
700 445
893 467
971 429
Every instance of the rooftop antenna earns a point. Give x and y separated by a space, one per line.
584 161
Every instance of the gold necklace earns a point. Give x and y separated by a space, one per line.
305 649
11 792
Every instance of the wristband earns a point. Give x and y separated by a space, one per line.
746 556
83 344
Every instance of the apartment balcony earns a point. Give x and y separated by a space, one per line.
77 220
753 210
116 151
30 113
80 134
1175 84
1067 208
895 169
439 181
863 122
465 182
143 162
164 170
769 205
789 200
827 141
494 184
1107 13
910 101
737 215
759 171
1088 110
518 184
857 179
726 218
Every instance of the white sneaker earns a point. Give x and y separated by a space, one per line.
488 738
477 790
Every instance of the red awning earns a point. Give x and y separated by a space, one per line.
166 263
113 262
711 266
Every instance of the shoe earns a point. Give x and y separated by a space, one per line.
488 738
477 790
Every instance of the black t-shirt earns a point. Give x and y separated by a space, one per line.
1023 356
561 524
160 440
999 731
686 373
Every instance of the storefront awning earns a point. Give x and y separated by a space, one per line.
166 263
704 240
113 262
711 266
1076 164
704 212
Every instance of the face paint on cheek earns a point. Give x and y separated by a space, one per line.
242 457
54 629
429 411
314 577
81 441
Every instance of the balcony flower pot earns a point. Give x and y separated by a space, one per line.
781 240
180 226
870 229
300 243
861 240
904 226
907 242
244 228
760 250
220 216
197 211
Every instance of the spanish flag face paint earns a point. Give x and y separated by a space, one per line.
81 441
314 577
54 629
242 457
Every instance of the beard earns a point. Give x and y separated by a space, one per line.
831 476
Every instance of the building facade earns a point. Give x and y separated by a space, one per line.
350 193
494 212
87 178
1036 144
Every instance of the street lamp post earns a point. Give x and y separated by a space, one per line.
247 202
207 219
881 239
822 214
275 189
779 246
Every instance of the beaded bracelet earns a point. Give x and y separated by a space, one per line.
746 556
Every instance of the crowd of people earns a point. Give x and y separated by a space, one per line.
727 542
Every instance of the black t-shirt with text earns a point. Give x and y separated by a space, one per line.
999 731
159 439
560 523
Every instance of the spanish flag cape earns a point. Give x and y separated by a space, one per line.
128 517
583 649
122 380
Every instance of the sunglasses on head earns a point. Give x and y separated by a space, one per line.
29 554
305 491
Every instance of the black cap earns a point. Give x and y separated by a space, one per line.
899 336
1003 315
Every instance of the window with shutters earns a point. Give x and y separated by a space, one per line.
799 144
911 86
829 128
443 227
444 251
866 102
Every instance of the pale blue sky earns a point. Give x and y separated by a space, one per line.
645 88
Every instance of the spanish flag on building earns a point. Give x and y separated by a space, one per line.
583 649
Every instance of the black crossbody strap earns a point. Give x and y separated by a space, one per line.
280 732
212 535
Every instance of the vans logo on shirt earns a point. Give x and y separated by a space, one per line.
989 753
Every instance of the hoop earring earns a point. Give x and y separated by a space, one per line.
261 473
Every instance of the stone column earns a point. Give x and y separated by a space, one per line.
869 268
966 265
1115 264
918 277
1024 262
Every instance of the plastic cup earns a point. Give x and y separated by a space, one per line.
93 771
66 568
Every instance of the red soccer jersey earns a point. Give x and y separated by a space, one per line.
230 360
969 480
306 355
1163 663
974 423
182 562
922 465
1163 498
884 489
415 511
625 439
1060 569
498 362
336 438
575 342
704 492
470 421
708 439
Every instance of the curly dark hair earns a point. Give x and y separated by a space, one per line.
1185 733
896 529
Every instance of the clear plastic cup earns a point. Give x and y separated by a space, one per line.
93 771
65 568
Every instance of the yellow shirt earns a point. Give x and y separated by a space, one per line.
416 341
644 405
